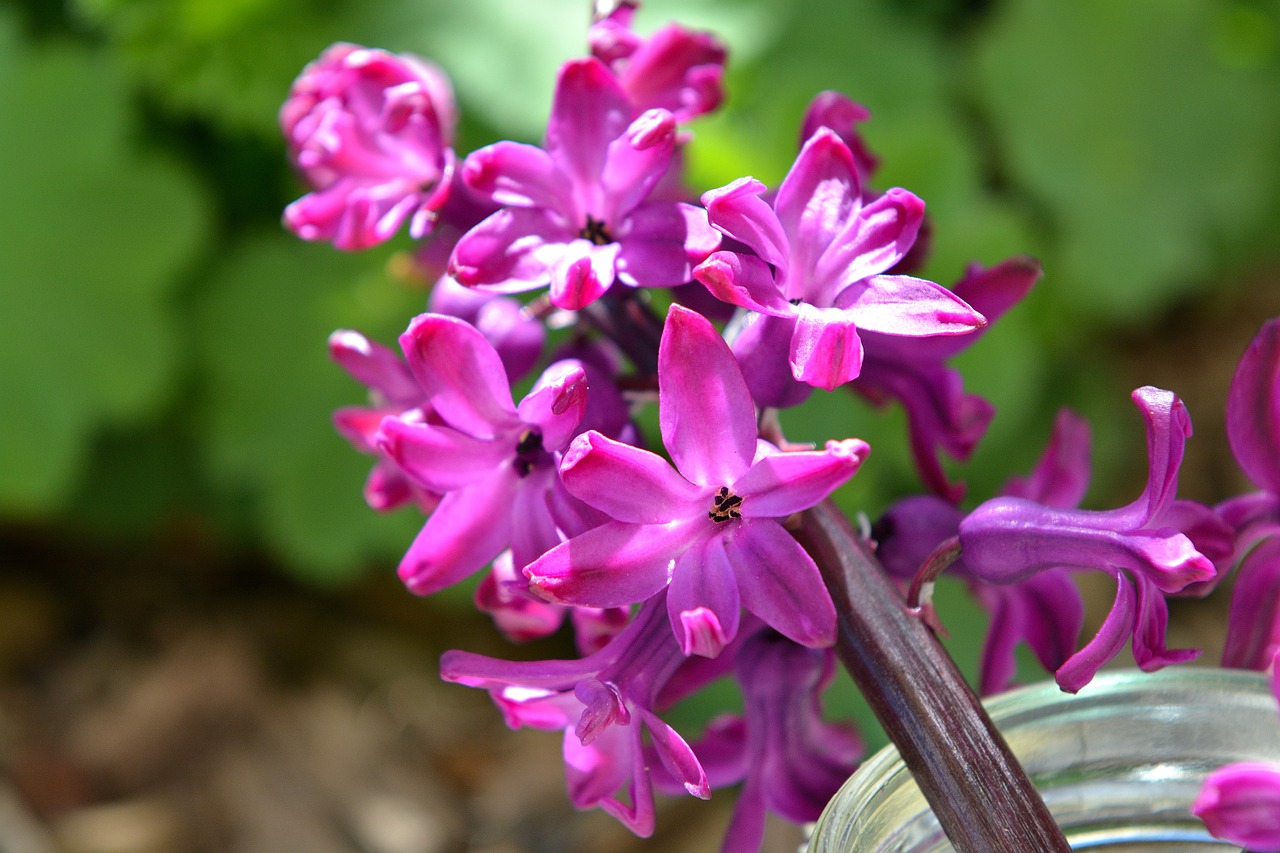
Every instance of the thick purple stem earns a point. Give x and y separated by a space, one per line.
982 798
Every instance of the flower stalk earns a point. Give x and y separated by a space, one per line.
982 797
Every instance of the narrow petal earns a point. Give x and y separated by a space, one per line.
627 483
1253 409
511 251
588 112
612 565
460 373
703 600
512 174
743 280
1168 428
780 583
706 415
440 458
1253 628
676 756
375 366
913 307
1149 650
877 238
556 403
826 351
737 210
1105 645
636 161
1241 804
466 532
782 483
817 200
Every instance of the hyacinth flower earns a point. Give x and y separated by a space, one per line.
709 527
1253 430
789 759
603 703
841 114
370 132
494 462
1007 540
1240 802
674 69
817 276
941 417
1044 610
576 215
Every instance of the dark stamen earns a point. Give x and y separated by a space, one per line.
724 506
596 232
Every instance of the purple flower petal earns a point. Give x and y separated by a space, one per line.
825 351
661 242
706 415
556 403
375 366
817 200
743 280
1253 409
627 483
1253 628
1168 428
842 115
780 583
588 112
703 600
511 251
782 483
902 305
1241 804
762 347
582 272
1061 476
460 374
611 565
1106 644
466 532
533 528
1149 650
676 756
872 242
438 457
737 210
512 174
635 162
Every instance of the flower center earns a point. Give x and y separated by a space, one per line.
724 506
596 232
529 451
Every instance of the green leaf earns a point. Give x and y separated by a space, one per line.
271 390
92 237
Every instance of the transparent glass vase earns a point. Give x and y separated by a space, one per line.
1118 764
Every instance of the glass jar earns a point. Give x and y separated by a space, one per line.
1118 764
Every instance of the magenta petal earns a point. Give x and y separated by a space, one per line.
517 175
533 529
818 199
511 251
1168 428
636 161
780 583
1241 804
902 305
880 236
676 756
782 483
743 280
1106 644
466 532
627 483
589 111
556 403
581 273
762 346
737 210
440 458
1253 409
611 565
1061 476
1148 643
460 373
706 415
1253 629
826 351
703 600
660 242
375 366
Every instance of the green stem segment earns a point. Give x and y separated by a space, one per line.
982 798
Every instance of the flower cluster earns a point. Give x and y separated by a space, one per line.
675 560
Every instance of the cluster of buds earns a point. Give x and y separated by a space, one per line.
681 568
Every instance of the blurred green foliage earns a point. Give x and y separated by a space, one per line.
162 340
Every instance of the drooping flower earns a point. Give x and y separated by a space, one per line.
576 215
494 462
817 276
674 69
1240 802
370 131
1044 610
603 703
789 760
1006 540
709 528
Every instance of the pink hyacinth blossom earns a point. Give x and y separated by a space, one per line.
370 132
817 275
674 69
709 527
576 215
1006 540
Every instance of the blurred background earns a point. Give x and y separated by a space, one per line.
203 646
